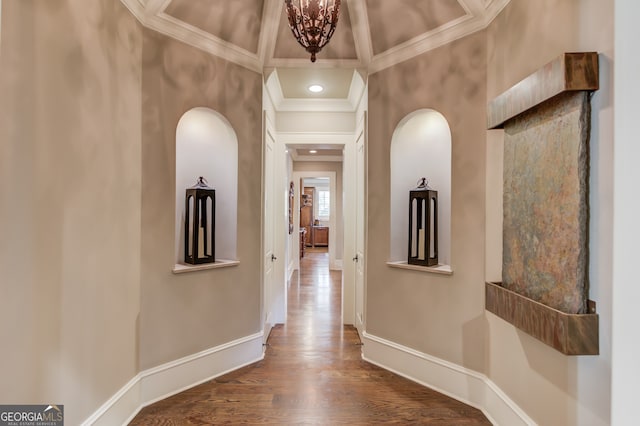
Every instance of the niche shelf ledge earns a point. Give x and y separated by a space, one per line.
440 269
571 334
181 268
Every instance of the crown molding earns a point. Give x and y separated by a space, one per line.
196 37
282 104
153 7
274 89
325 138
479 14
478 17
356 90
316 158
320 63
315 105
493 9
136 7
474 7
360 29
431 40
152 16
270 20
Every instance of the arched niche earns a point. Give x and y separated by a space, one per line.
206 145
420 147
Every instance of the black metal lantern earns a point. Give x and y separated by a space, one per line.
200 223
423 225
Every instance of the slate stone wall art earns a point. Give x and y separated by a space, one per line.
546 168
546 120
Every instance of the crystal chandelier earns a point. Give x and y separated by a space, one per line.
313 22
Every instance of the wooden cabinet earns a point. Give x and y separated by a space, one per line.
306 212
303 241
320 236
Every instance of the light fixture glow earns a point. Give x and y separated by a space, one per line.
312 151
315 88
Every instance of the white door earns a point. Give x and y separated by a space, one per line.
359 258
269 257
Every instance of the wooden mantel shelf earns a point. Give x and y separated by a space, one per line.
568 72
571 334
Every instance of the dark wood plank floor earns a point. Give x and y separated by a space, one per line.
312 373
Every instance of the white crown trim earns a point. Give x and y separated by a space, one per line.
431 40
315 105
479 14
269 29
203 40
320 63
136 8
311 158
327 138
274 89
356 90
360 29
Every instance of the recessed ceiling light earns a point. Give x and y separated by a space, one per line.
312 151
315 88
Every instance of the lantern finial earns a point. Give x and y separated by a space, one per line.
422 183
201 183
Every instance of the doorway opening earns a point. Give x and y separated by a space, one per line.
318 212
315 213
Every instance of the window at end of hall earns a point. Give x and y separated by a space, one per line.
323 204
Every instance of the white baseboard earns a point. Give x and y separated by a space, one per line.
460 383
168 379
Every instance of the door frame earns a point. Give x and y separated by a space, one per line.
341 140
333 220
274 290
350 222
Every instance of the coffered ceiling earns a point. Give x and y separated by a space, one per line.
371 34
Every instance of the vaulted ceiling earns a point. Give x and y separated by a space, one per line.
371 34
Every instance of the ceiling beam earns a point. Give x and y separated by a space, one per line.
480 13
269 30
154 7
361 32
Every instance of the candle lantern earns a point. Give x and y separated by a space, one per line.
423 225
199 224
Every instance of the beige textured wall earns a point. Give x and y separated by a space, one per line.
187 313
550 387
70 206
439 315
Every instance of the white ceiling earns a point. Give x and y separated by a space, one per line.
335 81
323 152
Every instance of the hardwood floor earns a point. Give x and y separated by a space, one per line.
312 373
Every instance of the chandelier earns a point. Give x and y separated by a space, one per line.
313 22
